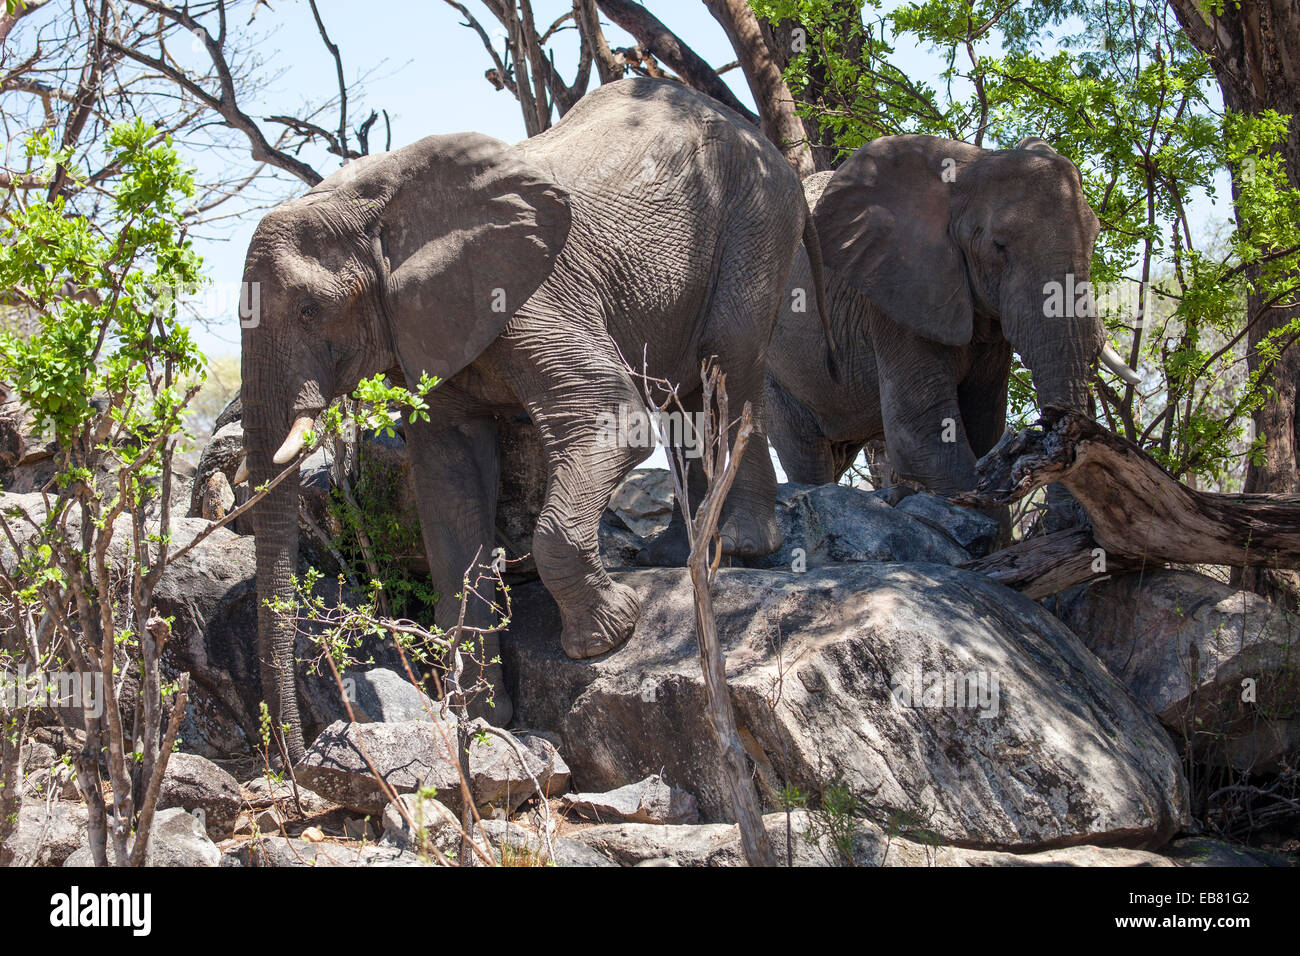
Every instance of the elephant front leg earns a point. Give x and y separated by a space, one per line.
924 431
455 470
586 462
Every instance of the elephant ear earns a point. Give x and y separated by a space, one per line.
466 233
884 225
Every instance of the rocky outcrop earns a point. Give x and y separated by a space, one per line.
1219 666
205 791
805 839
413 755
920 689
407 756
45 837
835 524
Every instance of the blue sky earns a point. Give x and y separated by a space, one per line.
418 63
421 66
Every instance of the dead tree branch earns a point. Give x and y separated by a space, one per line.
1138 510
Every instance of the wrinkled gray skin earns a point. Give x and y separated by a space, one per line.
931 284
649 221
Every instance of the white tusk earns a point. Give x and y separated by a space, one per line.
241 473
293 444
1110 358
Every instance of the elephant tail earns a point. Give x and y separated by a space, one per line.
813 246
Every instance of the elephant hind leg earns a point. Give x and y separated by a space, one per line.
807 456
741 318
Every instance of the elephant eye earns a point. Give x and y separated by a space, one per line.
308 309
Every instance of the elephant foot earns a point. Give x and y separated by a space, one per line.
603 626
750 537
495 705
667 549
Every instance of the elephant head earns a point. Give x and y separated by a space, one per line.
935 231
411 261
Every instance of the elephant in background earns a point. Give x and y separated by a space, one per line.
940 259
650 223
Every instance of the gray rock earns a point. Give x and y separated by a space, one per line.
286 851
201 788
834 524
431 826
1186 645
259 795
501 775
829 673
408 756
221 455
644 502
529 849
802 842
974 531
415 754
652 800
178 838
383 695
45 838
555 774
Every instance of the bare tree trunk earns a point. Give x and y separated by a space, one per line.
1254 48
1043 565
1140 513
593 37
11 777
781 124
720 461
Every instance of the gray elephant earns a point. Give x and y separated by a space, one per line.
649 224
940 259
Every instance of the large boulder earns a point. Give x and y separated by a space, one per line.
833 524
1218 665
383 695
919 689
179 838
45 837
804 839
413 755
211 595
408 756
201 788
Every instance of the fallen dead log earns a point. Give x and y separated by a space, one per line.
1140 514
1043 565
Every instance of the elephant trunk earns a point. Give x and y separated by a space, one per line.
1059 350
276 528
